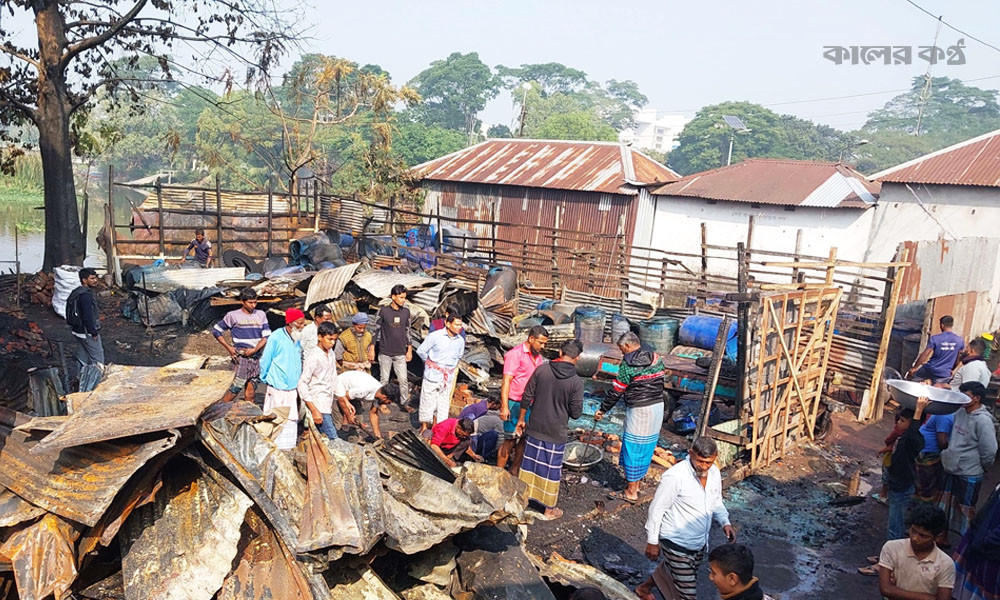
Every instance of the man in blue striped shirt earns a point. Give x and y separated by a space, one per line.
249 330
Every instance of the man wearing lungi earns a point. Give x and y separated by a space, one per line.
640 384
440 351
280 369
249 329
553 396
680 517
518 365
971 450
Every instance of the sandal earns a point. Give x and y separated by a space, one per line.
870 571
872 560
622 496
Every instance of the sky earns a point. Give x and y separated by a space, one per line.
683 55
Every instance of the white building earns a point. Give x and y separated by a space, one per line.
657 131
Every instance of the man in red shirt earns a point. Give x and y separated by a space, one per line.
518 365
450 439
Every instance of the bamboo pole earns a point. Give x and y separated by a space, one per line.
873 408
270 217
218 217
159 216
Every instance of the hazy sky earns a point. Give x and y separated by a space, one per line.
683 55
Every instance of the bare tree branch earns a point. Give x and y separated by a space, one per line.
104 36
8 48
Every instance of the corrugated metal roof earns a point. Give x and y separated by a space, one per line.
380 283
972 162
192 279
553 164
329 284
779 181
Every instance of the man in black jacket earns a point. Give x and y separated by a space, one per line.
553 395
83 317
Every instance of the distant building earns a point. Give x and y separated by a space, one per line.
656 130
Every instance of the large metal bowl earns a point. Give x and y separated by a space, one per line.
580 457
943 402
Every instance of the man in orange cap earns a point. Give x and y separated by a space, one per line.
280 369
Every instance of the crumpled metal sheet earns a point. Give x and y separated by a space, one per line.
157 399
379 283
15 509
329 284
326 515
181 546
263 471
75 483
363 489
265 568
579 575
192 279
43 558
347 583
282 285
426 591
422 510
486 547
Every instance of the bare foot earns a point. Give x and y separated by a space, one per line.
553 513
645 593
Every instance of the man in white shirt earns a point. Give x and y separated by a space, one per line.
353 388
914 567
680 518
321 314
319 374
973 366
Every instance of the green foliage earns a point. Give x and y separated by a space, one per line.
577 125
25 181
704 143
454 91
417 143
550 78
889 148
499 131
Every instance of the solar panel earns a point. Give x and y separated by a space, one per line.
734 122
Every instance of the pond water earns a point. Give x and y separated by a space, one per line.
27 221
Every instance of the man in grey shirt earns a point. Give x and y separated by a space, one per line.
971 450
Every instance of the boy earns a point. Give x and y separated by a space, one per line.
450 440
202 249
915 568
730 568
392 334
319 376
250 330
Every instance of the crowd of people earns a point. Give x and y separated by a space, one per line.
933 467
933 470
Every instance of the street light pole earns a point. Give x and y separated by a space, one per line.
729 159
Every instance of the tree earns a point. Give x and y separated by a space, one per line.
889 148
499 131
952 111
704 142
578 125
550 78
455 90
52 83
417 143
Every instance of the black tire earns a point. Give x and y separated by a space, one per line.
824 425
274 263
235 258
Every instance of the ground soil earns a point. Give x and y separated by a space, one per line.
803 546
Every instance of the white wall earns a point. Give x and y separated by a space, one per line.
676 227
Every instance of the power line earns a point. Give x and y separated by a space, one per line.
950 26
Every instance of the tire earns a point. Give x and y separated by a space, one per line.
235 258
824 425
273 263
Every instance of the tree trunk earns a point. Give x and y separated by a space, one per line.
64 242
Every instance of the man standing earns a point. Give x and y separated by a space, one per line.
929 472
553 396
319 375
84 320
518 365
680 517
914 567
902 469
971 450
973 366
249 329
309 336
355 387
202 249
280 369
640 384
940 356
441 351
392 333
355 349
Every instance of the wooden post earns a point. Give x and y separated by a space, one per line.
713 374
218 215
663 281
832 268
623 264
798 250
270 218
704 256
871 408
109 231
159 216
493 230
742 326
392 217
315 207
112 233
750 222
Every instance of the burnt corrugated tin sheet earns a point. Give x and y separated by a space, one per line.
972 162
329 284
778 181
15 509
380 283
551 164
135 400
75 483
192 279
949 267
42 558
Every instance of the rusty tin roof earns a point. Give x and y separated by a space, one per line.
972 162
779 181
606 167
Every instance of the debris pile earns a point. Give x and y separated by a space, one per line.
20 335
191 499
40 288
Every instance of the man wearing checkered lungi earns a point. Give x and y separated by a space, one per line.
680 517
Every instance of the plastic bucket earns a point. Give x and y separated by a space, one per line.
588 323
659 333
